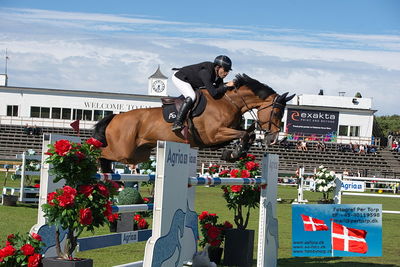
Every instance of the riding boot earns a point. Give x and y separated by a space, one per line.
180 117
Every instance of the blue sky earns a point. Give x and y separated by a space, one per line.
296 46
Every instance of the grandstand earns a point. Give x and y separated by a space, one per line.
384 163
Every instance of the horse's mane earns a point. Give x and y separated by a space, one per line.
260 89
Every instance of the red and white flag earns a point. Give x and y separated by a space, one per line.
313 224
348 239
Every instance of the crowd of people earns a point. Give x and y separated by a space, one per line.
32 130
358 148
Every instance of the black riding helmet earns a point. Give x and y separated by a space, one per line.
224 62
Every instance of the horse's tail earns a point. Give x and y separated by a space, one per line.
99 131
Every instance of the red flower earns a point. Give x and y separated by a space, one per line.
251 156
227 225
137 217
213 232
34 260
143 224
146 200
94 142
36 186
207 226
7 251
250 165
108 210
113 217
215 243
87 190
62 147
49 153
80 155
50 197
85 216
203 215
103 190
234 173
224 173
236 188
244 174
69 191
10 237
66 200
27 249
36 236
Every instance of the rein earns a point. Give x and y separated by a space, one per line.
254 116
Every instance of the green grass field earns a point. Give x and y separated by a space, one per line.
22 217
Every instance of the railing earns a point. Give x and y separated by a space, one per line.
42 122
370 140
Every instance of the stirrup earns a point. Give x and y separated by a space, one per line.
177 126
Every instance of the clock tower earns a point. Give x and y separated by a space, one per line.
158 83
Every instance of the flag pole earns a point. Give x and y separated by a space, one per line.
331 237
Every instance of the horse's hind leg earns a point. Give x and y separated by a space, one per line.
105 165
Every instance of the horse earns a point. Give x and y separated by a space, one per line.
129 137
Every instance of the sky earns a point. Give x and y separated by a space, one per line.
293 46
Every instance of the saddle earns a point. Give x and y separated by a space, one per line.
171 105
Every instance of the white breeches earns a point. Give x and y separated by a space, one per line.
184 87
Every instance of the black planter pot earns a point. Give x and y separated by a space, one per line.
125 223
238 249
215 254
9 200
56 262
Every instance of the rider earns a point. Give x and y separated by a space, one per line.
206 74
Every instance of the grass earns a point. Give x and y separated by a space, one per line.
22 217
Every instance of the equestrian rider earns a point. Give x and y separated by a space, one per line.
206 74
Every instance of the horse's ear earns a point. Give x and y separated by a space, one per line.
287 99
281 98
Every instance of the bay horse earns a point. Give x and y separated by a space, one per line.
129 137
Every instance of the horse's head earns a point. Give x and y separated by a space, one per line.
269 104
270 115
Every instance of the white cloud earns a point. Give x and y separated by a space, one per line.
117 53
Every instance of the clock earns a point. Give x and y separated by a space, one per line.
158 86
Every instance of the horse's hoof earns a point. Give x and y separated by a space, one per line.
226 155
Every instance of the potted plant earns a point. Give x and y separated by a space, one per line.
325 183
213 234
239 242
22 250
128 196
139 223
83 203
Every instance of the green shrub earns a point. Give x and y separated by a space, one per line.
129 196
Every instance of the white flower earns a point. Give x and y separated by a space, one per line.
320 188
321 167
326 189
332 173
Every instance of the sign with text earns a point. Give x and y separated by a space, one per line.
311 121
337 230
353 186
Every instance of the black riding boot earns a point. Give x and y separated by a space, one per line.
180 117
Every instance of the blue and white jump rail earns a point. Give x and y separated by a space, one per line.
174 235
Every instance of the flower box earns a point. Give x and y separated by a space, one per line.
239 246
57 262
9 200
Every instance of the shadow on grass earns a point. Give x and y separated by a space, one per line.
327 261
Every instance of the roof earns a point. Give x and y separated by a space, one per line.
158 74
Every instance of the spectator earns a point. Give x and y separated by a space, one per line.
27 130
298 145
303 145
321 146
361 149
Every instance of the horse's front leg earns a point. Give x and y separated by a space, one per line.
228 134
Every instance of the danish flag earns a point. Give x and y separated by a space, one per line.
312 224
348 239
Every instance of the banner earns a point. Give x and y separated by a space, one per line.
311 121
337 230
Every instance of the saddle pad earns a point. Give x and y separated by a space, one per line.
169 111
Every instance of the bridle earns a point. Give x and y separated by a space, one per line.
258 122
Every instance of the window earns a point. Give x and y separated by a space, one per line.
354 130
98 115
44 113
12 111
66 113
35 112
77 114
56 113
343 130
107 112
87 115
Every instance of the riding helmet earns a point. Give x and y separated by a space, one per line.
224 62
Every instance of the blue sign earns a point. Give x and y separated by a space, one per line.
340 230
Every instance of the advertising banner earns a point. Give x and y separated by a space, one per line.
311 121
337 230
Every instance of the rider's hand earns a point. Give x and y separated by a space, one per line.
230 84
